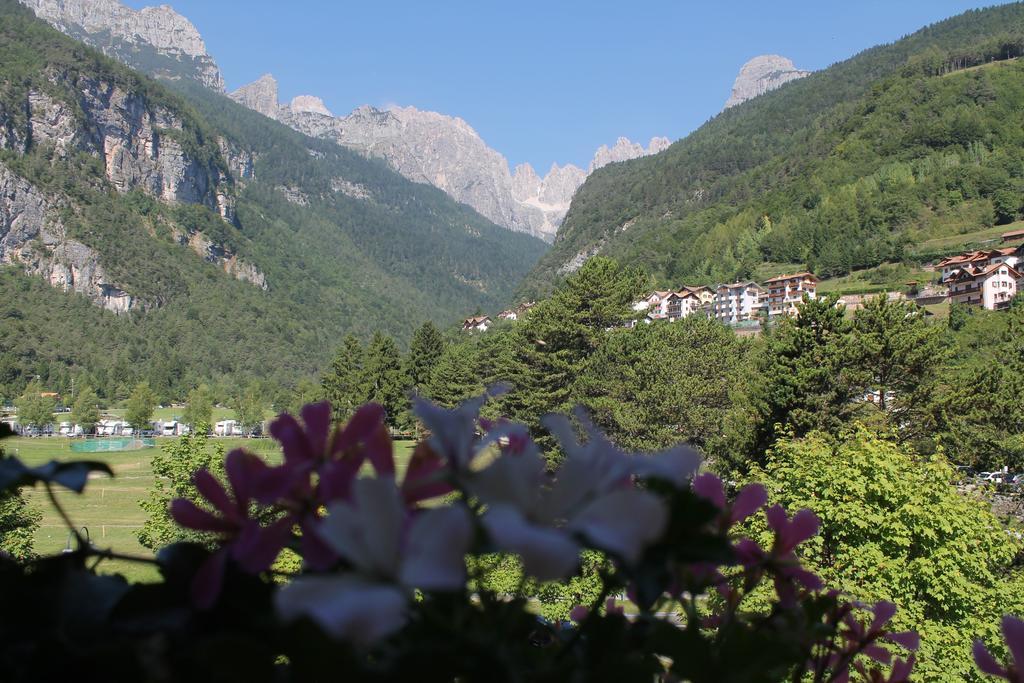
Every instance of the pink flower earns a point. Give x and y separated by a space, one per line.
252 546
749 500
1013 631
390 552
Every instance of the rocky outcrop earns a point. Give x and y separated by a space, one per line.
219 255
308 104
760 75
32 236
624 150
125 34
444 151
260 96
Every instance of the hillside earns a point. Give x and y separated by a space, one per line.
183 237
847 168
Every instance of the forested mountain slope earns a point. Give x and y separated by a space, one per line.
843 169
183 237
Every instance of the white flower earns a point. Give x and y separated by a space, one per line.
388 561
593 497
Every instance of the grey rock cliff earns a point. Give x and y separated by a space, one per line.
444 151
137 144
122 32
760 75
32 236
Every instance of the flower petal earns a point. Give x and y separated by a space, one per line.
190 516
1013 629
424 476
244 471
986 662
345 606
452 432
211 490
709 487
367 531
622 522
379 451
316 554
751 499
907 639
257 547
317 418
292 437
676 466
547 554
435 551
209 580
883 611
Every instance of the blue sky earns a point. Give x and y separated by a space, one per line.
541 81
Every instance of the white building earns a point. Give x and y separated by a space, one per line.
786 291
992 287
738 302
479 323
228 428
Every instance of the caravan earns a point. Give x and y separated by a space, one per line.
228 428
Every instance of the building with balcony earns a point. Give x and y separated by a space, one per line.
972 261
786 291
738 302
991 287
682 304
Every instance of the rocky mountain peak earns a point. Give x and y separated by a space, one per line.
260 95
309 104
760 75
624 149
117 30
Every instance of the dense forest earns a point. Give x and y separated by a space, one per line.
851 167
388 255
858 415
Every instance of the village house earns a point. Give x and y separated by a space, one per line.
655 303
974 261
737 302
704 294
517 312
478 323
786 291
682 304
991 286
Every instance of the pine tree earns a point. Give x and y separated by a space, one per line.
806 376
455 376
344 382
385 380
425 349
901 354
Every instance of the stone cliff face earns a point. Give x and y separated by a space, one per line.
760 75
140 145
445 152
122 32
32 236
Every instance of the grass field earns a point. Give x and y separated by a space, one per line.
987 237
109 508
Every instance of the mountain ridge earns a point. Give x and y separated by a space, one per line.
692 212
210 240
445 151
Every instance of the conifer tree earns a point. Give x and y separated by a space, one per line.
425 349
384 379
344 383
